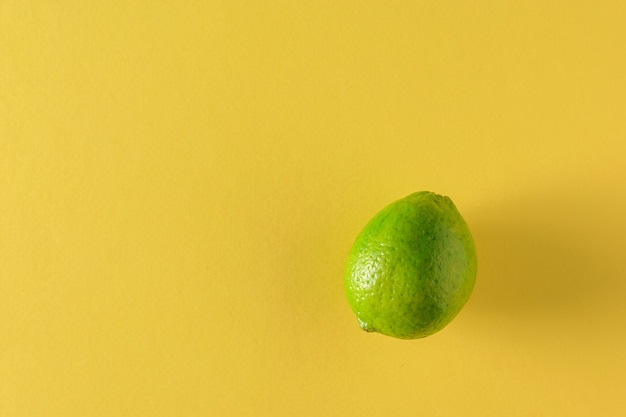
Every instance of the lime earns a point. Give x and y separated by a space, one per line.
412 268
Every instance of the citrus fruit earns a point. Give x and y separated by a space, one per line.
412 268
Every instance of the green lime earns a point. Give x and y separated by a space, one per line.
412 268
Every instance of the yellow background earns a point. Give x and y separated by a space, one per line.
181 181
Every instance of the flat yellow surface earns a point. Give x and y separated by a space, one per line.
181 181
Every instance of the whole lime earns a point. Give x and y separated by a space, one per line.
412 268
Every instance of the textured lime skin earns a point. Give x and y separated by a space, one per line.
412 268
